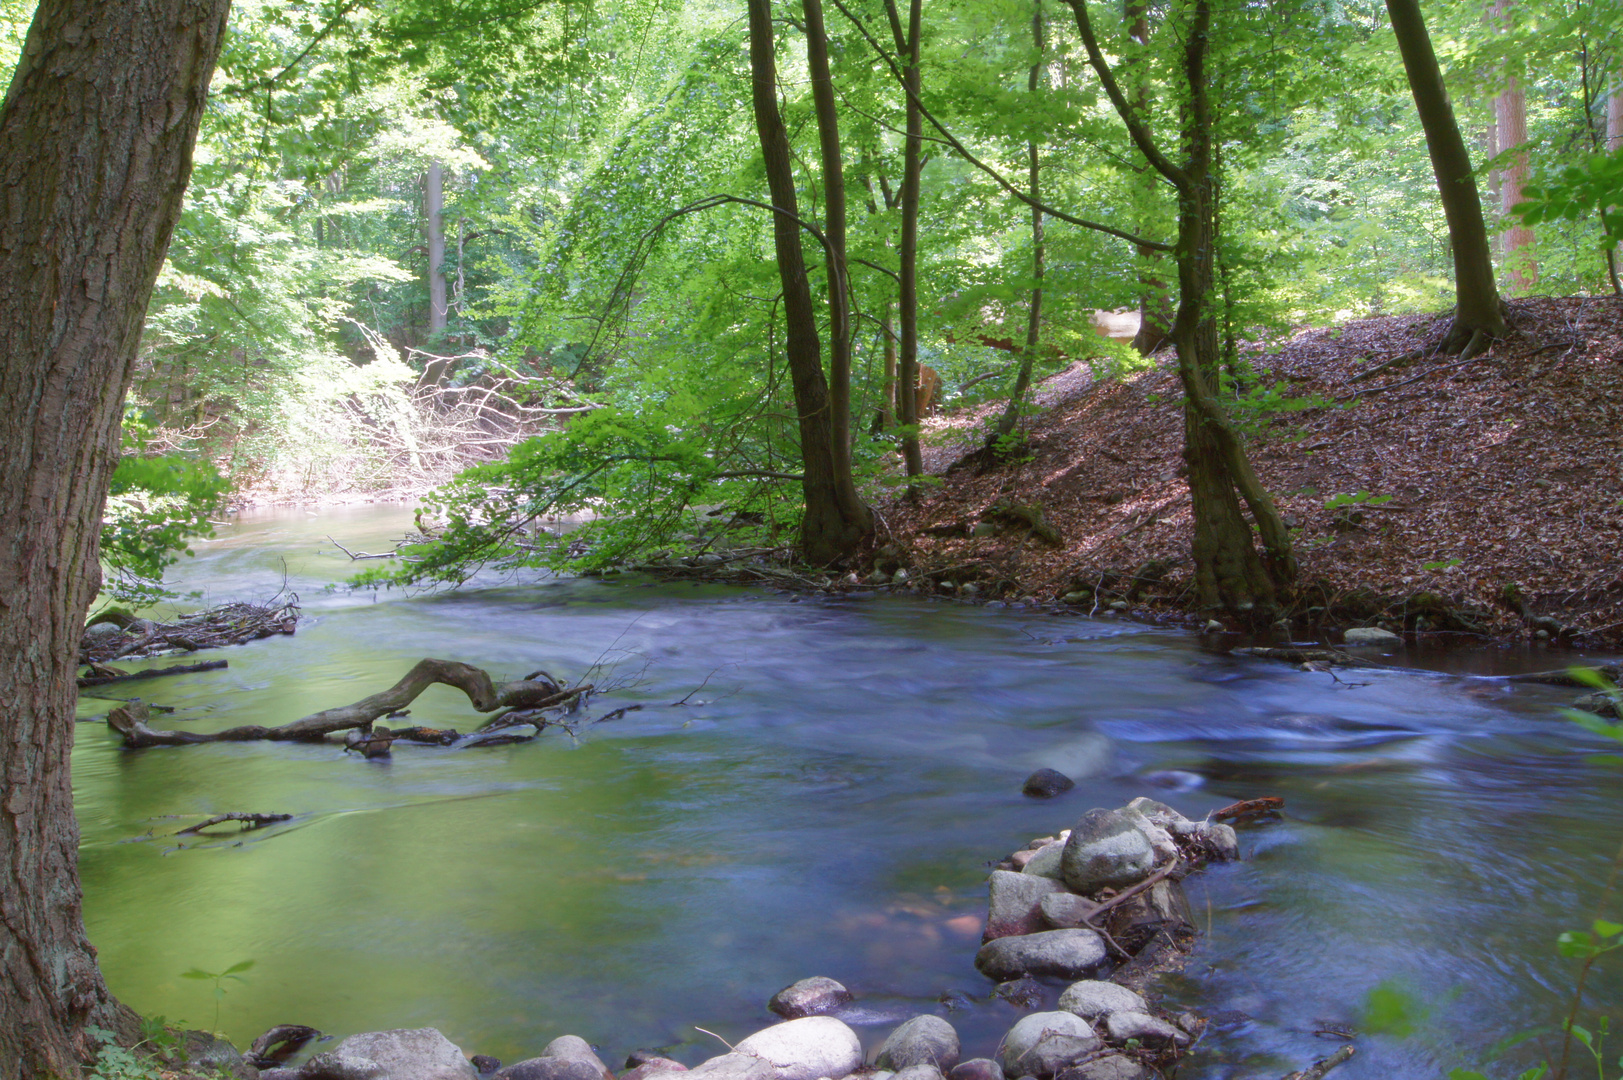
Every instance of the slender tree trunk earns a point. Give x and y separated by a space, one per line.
1614 115
1479 314
1510 121
907 404
1230 572
434 221
1022 380
836 519
95 149
885 417
1155 307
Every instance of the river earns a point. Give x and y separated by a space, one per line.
825 801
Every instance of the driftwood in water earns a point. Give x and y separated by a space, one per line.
278 1044
1564 677
1296 655
1317 1070
484 695
249 821
113 675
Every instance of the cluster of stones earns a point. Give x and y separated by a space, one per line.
1050 916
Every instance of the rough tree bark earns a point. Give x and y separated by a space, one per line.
1155 308
1479 314
96 140
836 518
1230 572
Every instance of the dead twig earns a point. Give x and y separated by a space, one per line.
249 822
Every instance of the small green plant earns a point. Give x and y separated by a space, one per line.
1356 498
1441 564
218 978
115 1062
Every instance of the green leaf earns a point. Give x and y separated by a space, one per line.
197 973
242 965
1577 944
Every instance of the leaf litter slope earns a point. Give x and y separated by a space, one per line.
1502 470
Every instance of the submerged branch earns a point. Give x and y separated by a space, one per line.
483 694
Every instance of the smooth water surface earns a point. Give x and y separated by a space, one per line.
825 800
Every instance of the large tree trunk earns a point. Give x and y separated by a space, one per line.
434 224
836 518
1479 314
95 149
1230 572
907 404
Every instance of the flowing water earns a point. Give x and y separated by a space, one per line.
816 786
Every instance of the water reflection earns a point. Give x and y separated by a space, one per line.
826 804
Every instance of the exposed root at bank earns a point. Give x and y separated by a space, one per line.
536 692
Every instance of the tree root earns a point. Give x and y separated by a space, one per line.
485 696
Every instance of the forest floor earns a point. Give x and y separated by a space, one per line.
1464 478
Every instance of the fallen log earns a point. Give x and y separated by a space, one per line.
484 695
250 821
150 673
1293 655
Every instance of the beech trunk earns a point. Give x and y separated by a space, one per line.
907 372
95 149
836 518
1479 314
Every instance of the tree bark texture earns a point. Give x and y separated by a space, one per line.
1230 571
96 139
1155 307
907 403
1510 123
434 224
1479 314
836 519
1614 114
1028 359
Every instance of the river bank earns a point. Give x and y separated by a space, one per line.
1449 501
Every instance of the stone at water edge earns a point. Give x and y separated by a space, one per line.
575 1048
1044 1043
734 1066
1015 904
1047 861
1092 998
976 1069
806 1049
1160 839
551 1068
1106 850
1112 1067
809 997
401 1054
650 1065
1369 635
638 1058
920 1071
1147 1029
1067 954
1047 783
1023 993
923 1040
1067 911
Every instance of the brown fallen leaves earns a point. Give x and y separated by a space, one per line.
1464 477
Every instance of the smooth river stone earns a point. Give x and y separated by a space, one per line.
809 997
401 1054
1092 998
1044 1043
1106 850
1016 904
1065 954
923 1040
1066 910
1048 861
806 1049
734 1066
976 1069
1147 1029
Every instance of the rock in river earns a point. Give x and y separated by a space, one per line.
1047 861
1147 1029
1047 783
976 1069
1370 635
806 1049
1044 1043
923 1040
401 1054
733 1066
1106 850
568 1057
809 997
1092 998
1016 903
1066 954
